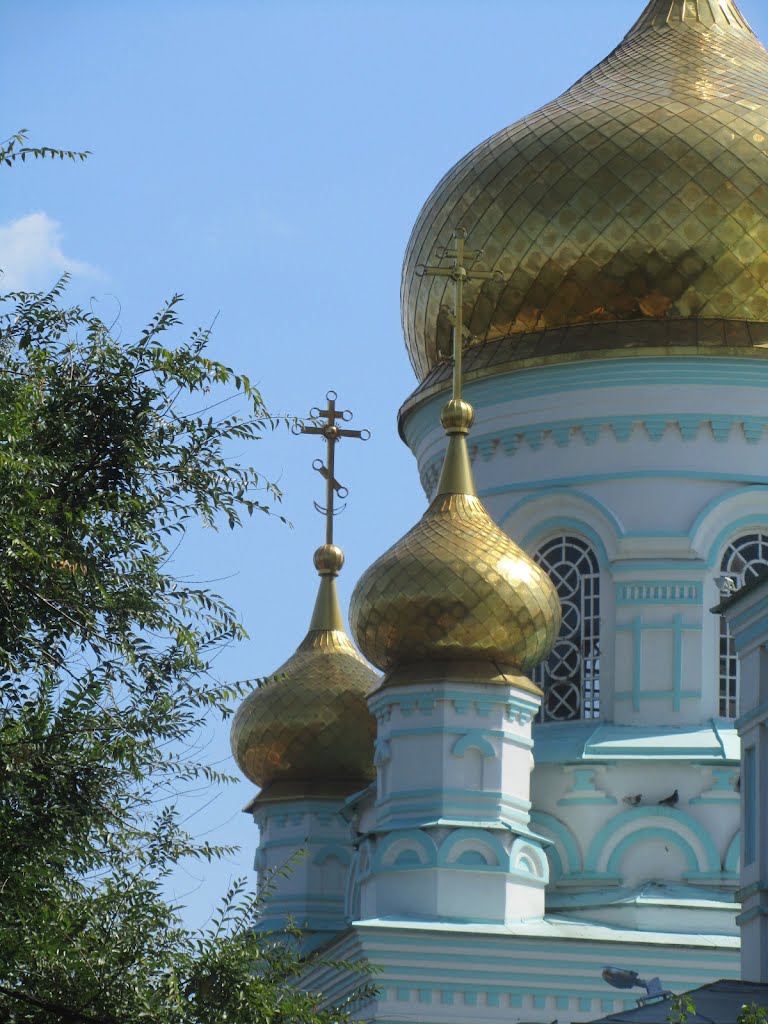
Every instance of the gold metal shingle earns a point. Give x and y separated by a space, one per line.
639 194
455 588
310 723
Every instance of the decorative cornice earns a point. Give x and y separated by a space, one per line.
621 428
663 592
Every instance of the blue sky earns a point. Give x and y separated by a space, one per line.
268 158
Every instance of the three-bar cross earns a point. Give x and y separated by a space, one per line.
459 274
332 433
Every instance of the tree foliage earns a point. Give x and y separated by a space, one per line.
106 461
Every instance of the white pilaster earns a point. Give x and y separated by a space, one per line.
747 615
450 838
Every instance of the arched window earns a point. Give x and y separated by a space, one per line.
570 678
743 560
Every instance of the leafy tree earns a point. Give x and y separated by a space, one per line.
106 461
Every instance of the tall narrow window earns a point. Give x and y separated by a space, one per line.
570 678
744 559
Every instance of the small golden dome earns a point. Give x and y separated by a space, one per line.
308 729
455 589
638 197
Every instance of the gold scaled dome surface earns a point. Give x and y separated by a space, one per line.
308 729
455 589
640 195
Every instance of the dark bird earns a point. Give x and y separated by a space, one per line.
633 801
737 785
671 800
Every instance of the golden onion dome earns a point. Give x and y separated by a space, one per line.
637 199
307 730
455 595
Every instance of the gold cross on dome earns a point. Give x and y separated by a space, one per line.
332 433
459 273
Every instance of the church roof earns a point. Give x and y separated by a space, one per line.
307 729
637 198
720 1001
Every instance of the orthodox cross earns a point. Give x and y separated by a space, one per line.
332 432
459 273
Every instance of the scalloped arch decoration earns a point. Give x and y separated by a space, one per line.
564 854
528 858
470 840
551 511
396 845
652 822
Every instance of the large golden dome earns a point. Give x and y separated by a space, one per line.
640 195
455 589
308 731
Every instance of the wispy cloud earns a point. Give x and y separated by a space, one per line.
31 257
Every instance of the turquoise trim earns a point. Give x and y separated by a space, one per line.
717 502
474 740
513 385
632 475
602 840
332 850
548 492
667 835
676 694
566 524
687 426
488 840
750 915
411 699
756 520
528 949
659 695
655 592
733 855
549 825
421 840
461 795
752 717
514 739
304 900
424 815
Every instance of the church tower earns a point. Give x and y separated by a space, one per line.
305 737
455 614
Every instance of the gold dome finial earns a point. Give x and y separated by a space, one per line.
457 416
455 589
307 731
703 14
